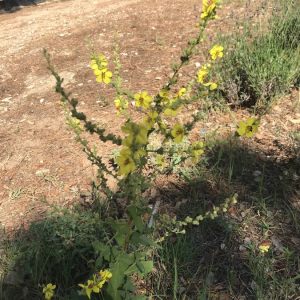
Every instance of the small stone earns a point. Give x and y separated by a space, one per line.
7 100
197 65
42 172
158 78
30 122
256 173
247 241
242 248
42 100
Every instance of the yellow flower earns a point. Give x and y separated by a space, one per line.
90 287
249 127
202 75
75 124
216 51
206 66
150 119
197 148
264 248
101 277
142 100
121 104
106 275
177 133
188 220
49 291
180 93
101 60
164 94
199 218
212 84
103 75
208 8
161 160
125 163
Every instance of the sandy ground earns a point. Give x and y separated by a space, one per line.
38 155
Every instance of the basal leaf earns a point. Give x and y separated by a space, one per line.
142 239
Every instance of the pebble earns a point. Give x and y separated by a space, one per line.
242 248
256 173
247 241
7 100
42 172
42 100
197 65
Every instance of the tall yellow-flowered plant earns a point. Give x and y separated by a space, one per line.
157 114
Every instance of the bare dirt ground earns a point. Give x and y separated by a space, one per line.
34 138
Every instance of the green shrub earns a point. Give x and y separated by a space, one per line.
263 61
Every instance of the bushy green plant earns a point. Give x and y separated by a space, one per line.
124 251
58 249
263 60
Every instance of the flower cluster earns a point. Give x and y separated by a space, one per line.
48 290
197 150
249 127
121 104
211 215
264 248
172 225
216 51
74 124
96 284
172 105
209 9
99 65
134 144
